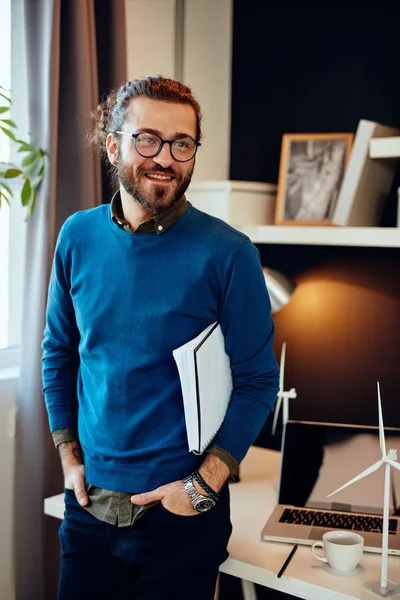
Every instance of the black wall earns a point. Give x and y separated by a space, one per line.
297 70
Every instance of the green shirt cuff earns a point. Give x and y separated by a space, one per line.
64 435
225 456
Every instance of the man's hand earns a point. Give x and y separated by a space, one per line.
173 497
74 470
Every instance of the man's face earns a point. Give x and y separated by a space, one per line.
137 174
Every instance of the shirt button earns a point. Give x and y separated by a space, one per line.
160 227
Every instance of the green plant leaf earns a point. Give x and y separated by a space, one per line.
29 159
30 171
32 168
26 192
8 133
5 198
5 187
12 173
5 97
31 205
25 147
8 122
38 178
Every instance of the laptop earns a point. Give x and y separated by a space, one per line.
316 459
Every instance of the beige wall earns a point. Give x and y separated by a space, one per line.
206 60
207 70
150 32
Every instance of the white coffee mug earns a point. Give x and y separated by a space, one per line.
343 549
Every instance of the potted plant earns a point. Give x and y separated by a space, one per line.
30 171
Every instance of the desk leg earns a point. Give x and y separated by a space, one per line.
248 590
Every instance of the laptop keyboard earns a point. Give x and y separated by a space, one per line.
336 520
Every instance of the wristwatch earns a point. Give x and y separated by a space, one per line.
200 503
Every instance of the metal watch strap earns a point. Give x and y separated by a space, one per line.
199 502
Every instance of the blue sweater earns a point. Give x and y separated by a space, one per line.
118 304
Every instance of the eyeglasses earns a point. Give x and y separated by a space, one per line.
149 145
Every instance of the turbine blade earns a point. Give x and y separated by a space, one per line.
381 429
368 471
276 413
282 368
394 464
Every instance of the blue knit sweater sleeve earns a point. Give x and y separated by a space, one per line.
60 358
245 319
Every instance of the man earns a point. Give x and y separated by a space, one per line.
144 517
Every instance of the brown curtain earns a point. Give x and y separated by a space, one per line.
63 65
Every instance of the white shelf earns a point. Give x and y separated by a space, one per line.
388 147
374 237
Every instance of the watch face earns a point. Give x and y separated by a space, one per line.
204 505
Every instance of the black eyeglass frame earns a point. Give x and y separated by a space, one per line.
162 142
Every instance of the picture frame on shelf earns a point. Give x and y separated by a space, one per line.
311 170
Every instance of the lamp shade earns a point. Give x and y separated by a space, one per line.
280 288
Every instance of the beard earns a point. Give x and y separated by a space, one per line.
161 197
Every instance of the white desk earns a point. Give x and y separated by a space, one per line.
252 500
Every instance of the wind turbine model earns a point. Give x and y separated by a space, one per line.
383 588
282 395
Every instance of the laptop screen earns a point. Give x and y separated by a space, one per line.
317 458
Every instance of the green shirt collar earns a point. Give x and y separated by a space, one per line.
158 223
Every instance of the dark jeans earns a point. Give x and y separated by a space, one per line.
161 557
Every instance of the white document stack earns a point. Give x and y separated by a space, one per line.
206 381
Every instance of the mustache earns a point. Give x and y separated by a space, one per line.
164 171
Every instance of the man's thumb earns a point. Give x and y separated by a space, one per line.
81 494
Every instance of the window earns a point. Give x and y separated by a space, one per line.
12 223
5 82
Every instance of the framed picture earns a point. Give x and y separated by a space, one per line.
310 175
